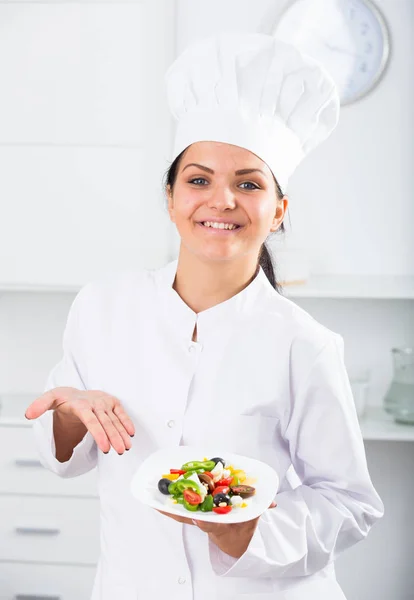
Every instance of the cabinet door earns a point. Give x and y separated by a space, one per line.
49 529
20 581
83 150
22 473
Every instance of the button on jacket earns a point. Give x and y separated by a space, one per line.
265 377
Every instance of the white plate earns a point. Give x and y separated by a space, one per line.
144 484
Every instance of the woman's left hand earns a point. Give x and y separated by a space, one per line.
232 538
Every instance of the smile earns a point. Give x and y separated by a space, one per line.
219 227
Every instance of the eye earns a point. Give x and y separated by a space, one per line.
256 187
198 179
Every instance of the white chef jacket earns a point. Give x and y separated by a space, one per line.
265 378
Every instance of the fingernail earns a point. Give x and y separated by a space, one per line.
131 434
127 449
106 452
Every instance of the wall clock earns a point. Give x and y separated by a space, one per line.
349 37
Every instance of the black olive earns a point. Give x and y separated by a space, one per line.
163 486
219 498
218 459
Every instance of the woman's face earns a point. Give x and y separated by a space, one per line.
222 183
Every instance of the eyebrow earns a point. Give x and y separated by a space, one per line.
239 172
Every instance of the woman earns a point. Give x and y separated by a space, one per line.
205 350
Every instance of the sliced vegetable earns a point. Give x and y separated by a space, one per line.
204 478
222 489
189 473
240 474
245 491
183 484
171 488
235 480
222 510
171 476
188 506
179 471
197 464
226 481
192 497
208 504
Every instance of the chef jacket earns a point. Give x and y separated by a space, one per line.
265 378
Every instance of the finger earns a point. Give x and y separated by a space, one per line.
49 400
125 420
216 528
39 406
95 428
126 438
114 436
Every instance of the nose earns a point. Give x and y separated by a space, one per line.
222 199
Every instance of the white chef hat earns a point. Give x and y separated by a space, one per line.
253 91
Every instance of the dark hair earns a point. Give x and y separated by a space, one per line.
265 259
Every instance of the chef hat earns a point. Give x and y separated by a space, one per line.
253 91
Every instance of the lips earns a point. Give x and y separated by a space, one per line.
220 225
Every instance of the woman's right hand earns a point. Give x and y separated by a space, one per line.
101 414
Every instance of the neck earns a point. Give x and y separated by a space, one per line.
202 284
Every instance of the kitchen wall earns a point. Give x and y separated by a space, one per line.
351 210
352 199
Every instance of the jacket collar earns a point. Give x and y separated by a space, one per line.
226 313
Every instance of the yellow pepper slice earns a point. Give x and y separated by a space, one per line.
171 476
240 474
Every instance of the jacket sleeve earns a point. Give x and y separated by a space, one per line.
69 372
336 504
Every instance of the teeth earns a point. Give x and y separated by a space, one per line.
219 225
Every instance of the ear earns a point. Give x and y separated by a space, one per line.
170 203
280 213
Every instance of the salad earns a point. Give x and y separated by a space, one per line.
207 485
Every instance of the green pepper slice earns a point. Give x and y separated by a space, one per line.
172 488
182 484
190 507
208 504
189 473
207 465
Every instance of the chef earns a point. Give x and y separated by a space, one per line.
206 351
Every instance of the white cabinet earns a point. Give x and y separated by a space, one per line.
49 529
84 147
49 526
22 472
45 582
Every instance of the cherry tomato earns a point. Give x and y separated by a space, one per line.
209 474
192 497
175 471
223 489
222 510
226 481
